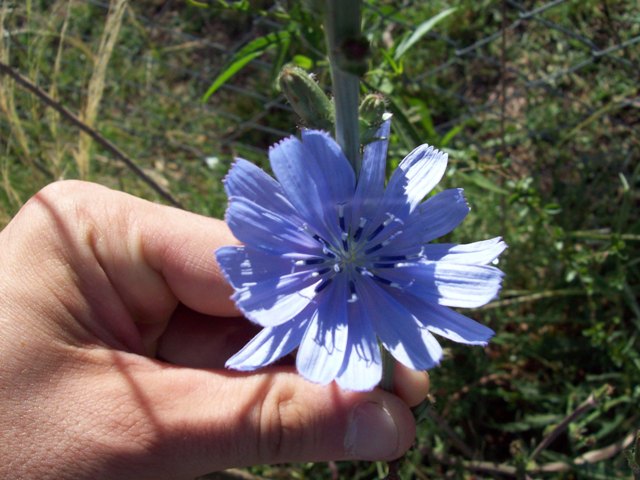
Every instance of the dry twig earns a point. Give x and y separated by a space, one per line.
97 137
590 403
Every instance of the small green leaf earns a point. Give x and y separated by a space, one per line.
395 66
402 126
197 4
303 61
426 120
444 141
419 32
481 181
252 50
553 208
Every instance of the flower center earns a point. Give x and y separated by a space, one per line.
355 253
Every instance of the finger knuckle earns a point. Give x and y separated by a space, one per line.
282 424
58 203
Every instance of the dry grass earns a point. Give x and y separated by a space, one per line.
7 94
96 85
56 153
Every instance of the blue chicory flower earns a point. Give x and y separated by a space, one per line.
334 265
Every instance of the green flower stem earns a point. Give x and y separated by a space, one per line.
388 364
342 29
347 59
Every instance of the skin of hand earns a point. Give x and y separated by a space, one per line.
115 323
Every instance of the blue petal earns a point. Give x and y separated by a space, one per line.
243 265
447 283
445 322
362 368
261 228
416 175
248 181
434 218
398 330
370 187
336 171
476 253
278 300
268 346
305 176
323 347
442 213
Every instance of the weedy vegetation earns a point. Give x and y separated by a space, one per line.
538 106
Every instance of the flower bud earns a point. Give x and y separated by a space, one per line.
373 111
307 98
372 108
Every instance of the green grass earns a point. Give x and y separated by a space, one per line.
554 169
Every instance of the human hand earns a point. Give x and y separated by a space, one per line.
115 323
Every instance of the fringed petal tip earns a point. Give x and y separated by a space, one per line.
236 165
282 142
460 197
306 132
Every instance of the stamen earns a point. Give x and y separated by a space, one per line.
328 252
336 268
382 226
321 240
390 218
364 271
309 261
341 216
378 229
391 238
382 280
360 228
392 258
353 297
385 265
322 285
345 243
373 249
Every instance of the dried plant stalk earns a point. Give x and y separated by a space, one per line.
97 82
7 93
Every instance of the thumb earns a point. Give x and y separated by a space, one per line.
199 421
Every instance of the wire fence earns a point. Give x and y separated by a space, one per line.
497 79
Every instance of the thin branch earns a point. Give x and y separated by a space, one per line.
590 457
607 452
533 297
590 403
457 442
493 468
97 137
